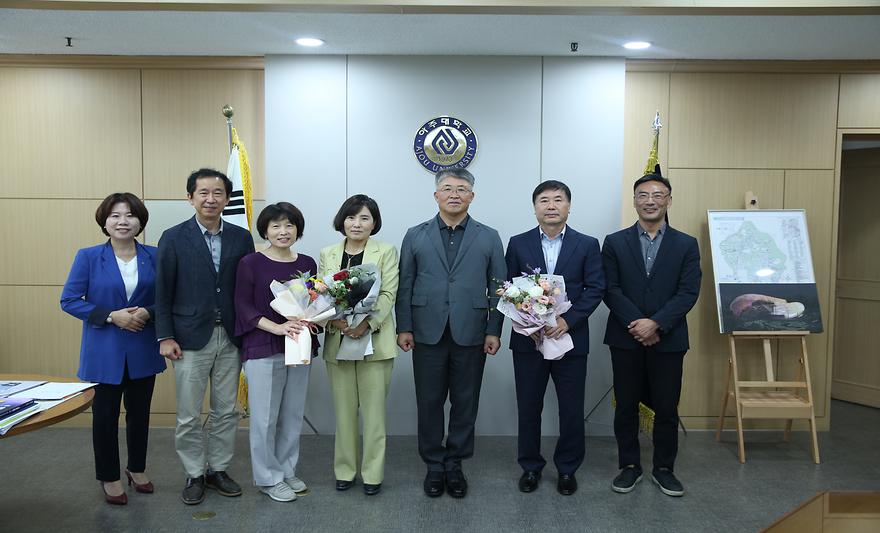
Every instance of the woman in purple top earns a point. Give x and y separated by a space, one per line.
276 393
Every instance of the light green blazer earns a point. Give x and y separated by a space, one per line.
381 320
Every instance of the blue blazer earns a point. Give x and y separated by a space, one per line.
579 263
665 296
93 289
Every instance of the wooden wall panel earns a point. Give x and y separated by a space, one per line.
36 336
859 362
694 192
813 190
859 101
69 133
41 253
184 129
784 121
646 93
859 235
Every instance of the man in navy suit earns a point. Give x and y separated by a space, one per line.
195 325
653 274
557 249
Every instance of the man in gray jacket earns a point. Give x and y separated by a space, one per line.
445 303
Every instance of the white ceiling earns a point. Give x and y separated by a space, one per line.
257 34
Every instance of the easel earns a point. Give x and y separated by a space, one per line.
764 399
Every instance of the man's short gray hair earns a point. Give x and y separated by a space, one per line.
459 173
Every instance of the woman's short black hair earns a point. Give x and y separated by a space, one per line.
352 206
281 211
135 205
653 177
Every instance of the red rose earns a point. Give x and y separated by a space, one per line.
339 276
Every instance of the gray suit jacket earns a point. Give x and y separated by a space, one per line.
433 293
187 287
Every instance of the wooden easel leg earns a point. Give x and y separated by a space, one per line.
739 433
723 404
815 439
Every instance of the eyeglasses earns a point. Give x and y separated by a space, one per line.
656 196
447 190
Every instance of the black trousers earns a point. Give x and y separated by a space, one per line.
446 370
532 372
137 395
644 373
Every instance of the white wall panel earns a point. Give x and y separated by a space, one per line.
339 126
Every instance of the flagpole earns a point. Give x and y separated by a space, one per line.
228 111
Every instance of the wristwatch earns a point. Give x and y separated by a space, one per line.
109 319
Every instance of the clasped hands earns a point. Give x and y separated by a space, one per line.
644 330
348 331
130 318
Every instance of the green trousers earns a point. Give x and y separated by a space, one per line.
360 385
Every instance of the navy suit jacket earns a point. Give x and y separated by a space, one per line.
665 296
93 289
188 289
579 263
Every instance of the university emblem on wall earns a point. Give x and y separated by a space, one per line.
445 142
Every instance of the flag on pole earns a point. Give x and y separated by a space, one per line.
653 165
239 211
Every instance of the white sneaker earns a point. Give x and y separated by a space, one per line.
281 492
296 484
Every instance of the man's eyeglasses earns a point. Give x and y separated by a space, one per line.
447 190
656 196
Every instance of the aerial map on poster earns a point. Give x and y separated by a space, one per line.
763 271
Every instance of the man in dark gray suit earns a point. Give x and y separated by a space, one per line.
448 268
195 324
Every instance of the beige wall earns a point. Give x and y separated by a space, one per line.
73 134
736 127
75 131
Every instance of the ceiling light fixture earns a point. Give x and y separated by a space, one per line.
637 45
309 41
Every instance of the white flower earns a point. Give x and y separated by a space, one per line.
354 280
540 309
511 292
536 291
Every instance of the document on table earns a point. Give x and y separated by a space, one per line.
54 390
7 423
8 388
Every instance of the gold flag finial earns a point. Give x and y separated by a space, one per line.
653 157
228 111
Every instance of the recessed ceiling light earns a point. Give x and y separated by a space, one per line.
309 41
637 45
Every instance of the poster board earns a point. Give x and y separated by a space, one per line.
763 268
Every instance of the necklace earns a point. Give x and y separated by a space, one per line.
348 258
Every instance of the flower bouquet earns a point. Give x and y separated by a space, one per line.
355 291
533 301
298 299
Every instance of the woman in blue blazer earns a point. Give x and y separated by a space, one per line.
111 288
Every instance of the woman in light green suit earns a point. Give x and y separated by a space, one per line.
361 384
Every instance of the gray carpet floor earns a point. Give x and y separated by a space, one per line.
47 484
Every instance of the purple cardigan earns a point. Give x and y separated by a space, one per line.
252 297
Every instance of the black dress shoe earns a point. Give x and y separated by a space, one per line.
342 484
194 490
456 484
372 490
528 482
222 483
567 484
434 483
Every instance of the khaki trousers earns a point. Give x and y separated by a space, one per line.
364 385
210 446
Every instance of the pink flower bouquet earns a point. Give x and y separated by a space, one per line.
533 301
